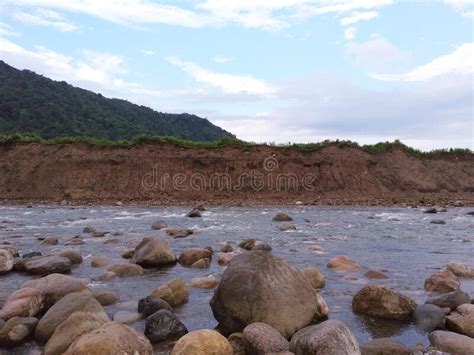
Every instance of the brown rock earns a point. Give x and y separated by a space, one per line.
462 320
152 252
384 346
122 270
460 269
225 258
452 343
6 261
343 263
49 241
264 339
282 217
374 274
314 276
175 292
74 256
202 264
442 281
226 248
204 282
248 243
99 261
190 256
25 302
16 331
202 342
106 298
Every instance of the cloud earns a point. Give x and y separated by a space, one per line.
46 18
228 83
350 33
221 59
357 17
469 14
6 30
147 52
460 61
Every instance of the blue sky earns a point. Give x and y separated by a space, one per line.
266 70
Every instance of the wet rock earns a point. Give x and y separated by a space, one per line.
262 246
460 269
331 337
199 208
88 230
128 254
263 339
384 346
470 213
451 299
194 214
50 241
314 276
10 249
178 233
190 256
208 247
25 302
99 261
45 265
75 241
376 275
286 226
126 317
381 302
111 338
159 225
428 317
438 221
282 217
202 264
106 298
117 234
226 248
152 304
32 254
112 241
256 286
442 281
175 292
248 243
122 270
202 342
72 255
225 258
153 251
343 263
204 282
430 210
164 325
462 320
238 343
6 261
451 343
16 331
97 234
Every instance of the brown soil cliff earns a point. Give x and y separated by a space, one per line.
166 174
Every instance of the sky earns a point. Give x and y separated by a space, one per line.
266 70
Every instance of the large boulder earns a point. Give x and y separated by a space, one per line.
110 339
462 320
202 342
343 263
451 343
428 317
314 276
175 292
45 265
164 325
442 281
384 346
381 302
331 337
153 251
192 255
16 331
123 270
25 302
450 300
263 339
260 287
6 261
460 269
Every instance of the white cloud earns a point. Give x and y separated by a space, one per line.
221 59
375 54
469 14
459 4
6 30
147 52
228 83
46 18
357 17
350 33
460 61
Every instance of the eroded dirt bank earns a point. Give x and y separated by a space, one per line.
167 174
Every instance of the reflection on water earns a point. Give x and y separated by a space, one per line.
401 240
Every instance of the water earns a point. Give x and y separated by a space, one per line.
401 240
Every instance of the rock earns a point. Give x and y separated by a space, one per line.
112 241
428 317
25 302
45 265
226 248
202 264
106 298
111 338
331 337
75 241
470 213
381 302
458 204
384 346
122 270
199 208
238 343
6 261
16 331
74 326
61 310
99 261
106 276
194 214
126 317
178 233
88 230
164 325
450 299
314 276
248 243
204 282
32 254
153 251
190 256
430 210
158 225
175 292
282 217
343 263
257 286
72 255
56 286
263 339
202 342
462 320
128 254
460 269
98 234
286 226
208 247
262 246
225 258
376 275
442 281
152 304
50 241
11 250
438 221
451 343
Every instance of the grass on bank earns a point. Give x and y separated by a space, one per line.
306 147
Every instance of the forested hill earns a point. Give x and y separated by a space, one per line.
35 104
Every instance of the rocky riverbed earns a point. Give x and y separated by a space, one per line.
163 272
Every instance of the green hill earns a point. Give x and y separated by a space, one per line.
32 103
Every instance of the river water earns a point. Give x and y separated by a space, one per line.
400 240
